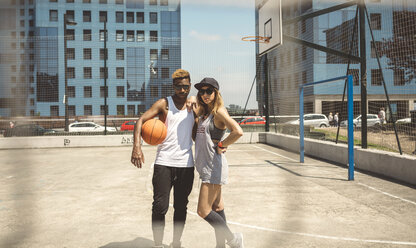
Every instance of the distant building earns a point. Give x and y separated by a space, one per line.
143 50
291 65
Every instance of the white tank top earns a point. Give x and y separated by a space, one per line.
176 149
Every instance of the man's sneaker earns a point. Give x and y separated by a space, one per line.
237 241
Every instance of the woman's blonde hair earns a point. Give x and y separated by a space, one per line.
215 105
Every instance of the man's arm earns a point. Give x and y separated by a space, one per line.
137 158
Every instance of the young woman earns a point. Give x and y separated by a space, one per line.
210 162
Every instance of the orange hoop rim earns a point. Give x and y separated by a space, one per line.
258 39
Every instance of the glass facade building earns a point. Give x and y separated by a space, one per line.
132 44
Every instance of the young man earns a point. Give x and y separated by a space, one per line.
174 164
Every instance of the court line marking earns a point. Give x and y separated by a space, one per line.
388 194
276 153
316 235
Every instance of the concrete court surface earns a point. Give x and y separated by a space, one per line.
94 197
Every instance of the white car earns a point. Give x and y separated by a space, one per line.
88 127
316 120
372 120
404 120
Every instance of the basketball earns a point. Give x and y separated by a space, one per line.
154 132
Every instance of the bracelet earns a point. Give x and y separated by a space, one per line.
220 145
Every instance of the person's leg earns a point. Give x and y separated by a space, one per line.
218 207
182 187
207 196
162 184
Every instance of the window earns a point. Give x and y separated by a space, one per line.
153 17
119 54
130 17
54 110
71 72
153 54
22 34
22 23
69 1
103 1
131 109
399 77
86 16
87 91
87 53
87 34
70 34
165 72
120 91
375 20
119 1
120 109
164 2
53 15
375 47
153 73
153 36
31 12
166 90
120 72
355 76
71 110
141 108
164 54
119 35
140 35
87 72
376 77
22 12
130 35
71 91
103 53
103 91
32 101
103 109
86 1
119 17
103 16
152 2
140 17
70 53
154 91
31 23
87 109
103 35
13 68
103 72
70 15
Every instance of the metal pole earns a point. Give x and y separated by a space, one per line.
350 129
301 126
66 78
363 71
266 94
105 77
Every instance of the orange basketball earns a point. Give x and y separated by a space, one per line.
154 132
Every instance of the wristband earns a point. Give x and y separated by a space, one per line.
220 145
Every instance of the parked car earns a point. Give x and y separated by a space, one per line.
316 120
88 127
253 121
404 120
26 130
128 125
372 120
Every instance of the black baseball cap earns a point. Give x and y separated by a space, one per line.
207 82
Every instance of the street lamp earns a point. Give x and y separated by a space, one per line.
70 23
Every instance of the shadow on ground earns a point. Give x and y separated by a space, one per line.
135 243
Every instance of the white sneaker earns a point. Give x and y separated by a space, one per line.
237 241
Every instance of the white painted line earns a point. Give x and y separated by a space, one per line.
317 235
276 154
385 193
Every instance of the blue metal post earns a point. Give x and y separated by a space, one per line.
350 129
301 127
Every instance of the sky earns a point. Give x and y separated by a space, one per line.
212 46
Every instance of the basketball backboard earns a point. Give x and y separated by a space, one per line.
270 24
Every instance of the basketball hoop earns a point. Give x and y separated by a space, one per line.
258 39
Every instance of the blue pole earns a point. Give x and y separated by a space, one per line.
350 129
301 127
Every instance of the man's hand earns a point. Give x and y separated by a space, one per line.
191 103
137 158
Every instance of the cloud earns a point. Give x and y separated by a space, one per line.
205 37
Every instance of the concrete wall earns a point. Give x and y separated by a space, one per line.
391 165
